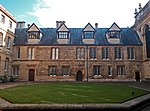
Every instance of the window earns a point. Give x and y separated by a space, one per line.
97 70
10 24
92 53
15 70
104 53
54 53
52 70
18 53
65 70
6 64
88 35
63 35
118 53
30 53
80 53
1 39
120 70
8 42
130 53
3 19
114 34
34 35
109 70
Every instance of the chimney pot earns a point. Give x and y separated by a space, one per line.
96 25
28 25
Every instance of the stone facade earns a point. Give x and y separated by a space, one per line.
67 57
65 54
7 28
142 22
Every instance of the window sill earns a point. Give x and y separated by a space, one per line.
52 75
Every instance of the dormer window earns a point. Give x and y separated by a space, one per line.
63 35
34 35
113 34
88 35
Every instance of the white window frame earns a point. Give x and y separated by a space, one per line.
131 53
118 53
55 53
51 69
31 52
109 70
8 42
65 69
2 19
98 70
1 39
120 70
18 53
105 53
80 53
93 53
15 70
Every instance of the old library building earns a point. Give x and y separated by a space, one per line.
75 54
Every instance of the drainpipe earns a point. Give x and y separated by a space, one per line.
86 63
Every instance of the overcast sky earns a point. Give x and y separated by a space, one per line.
76 13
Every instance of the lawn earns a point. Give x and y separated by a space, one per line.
70 93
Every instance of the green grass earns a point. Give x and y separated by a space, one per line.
72 93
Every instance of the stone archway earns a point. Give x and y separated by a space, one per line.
79 76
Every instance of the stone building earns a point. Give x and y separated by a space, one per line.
142 27
83 54
7 29
77 54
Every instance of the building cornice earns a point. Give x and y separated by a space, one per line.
7 13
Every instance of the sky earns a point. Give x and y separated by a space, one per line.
76 13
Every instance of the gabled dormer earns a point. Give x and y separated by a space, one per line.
34 34
113 34
88 34
63 34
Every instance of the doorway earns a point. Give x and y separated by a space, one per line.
137 76
79 76
31 74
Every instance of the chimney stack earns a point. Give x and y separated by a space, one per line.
96 25
21 24
59 23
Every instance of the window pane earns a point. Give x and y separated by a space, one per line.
89 35
29 53
18 52
65 70
8 42
53 53
56 53
1 38
52 70
62 35
32 53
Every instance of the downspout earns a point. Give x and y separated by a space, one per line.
86 63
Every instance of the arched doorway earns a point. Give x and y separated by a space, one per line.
137 76
79 76
31 74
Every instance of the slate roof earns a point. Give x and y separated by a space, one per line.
128 37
